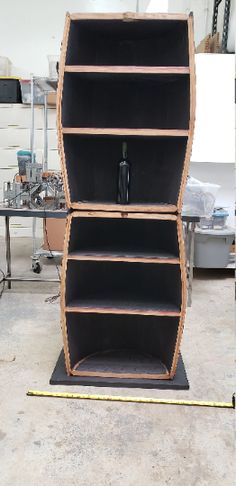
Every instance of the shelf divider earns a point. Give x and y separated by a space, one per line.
101 309
142 132
122 258
128 16
127 69
149 208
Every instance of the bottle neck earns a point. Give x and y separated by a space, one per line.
124 150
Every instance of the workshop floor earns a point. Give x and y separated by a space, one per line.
57 442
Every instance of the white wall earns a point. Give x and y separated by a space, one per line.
214 134
157 6
30 31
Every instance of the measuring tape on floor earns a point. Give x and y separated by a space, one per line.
111 398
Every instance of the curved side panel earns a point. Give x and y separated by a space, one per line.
192 112
184 296
59 108
63 296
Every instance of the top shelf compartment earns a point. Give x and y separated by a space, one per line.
121 43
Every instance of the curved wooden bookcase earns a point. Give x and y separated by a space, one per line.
123 291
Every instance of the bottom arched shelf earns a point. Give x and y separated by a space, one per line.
60 377
118 363
120 346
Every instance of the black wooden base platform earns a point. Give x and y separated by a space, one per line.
59 377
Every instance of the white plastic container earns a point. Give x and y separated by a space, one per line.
212 248
5 66
217 221
199 198
25 85
220 218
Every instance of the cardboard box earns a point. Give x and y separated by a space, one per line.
52 99
54 233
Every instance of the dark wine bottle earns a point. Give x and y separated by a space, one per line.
123 177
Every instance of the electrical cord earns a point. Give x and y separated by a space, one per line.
54 297
3 281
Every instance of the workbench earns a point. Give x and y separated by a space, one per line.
190 221
26 213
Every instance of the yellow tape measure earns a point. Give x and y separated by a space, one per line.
111 398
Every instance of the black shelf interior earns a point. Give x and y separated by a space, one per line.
124 237
126 100
123 285
121 343
140 43
156 166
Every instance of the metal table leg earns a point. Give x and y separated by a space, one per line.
34 236
191 262
45 134
8 249
186 243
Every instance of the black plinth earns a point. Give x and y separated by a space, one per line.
59 377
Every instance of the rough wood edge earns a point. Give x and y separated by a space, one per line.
123 215
123 311
141 132
192 112
128 69
168 208
184 297
59 109
128 16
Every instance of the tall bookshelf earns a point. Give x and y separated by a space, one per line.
125 78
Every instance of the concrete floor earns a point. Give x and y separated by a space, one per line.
55 442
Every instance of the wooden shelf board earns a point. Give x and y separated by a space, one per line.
128 69
151 208
154 376
128 16
141 132
118 215
138 257
103 306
